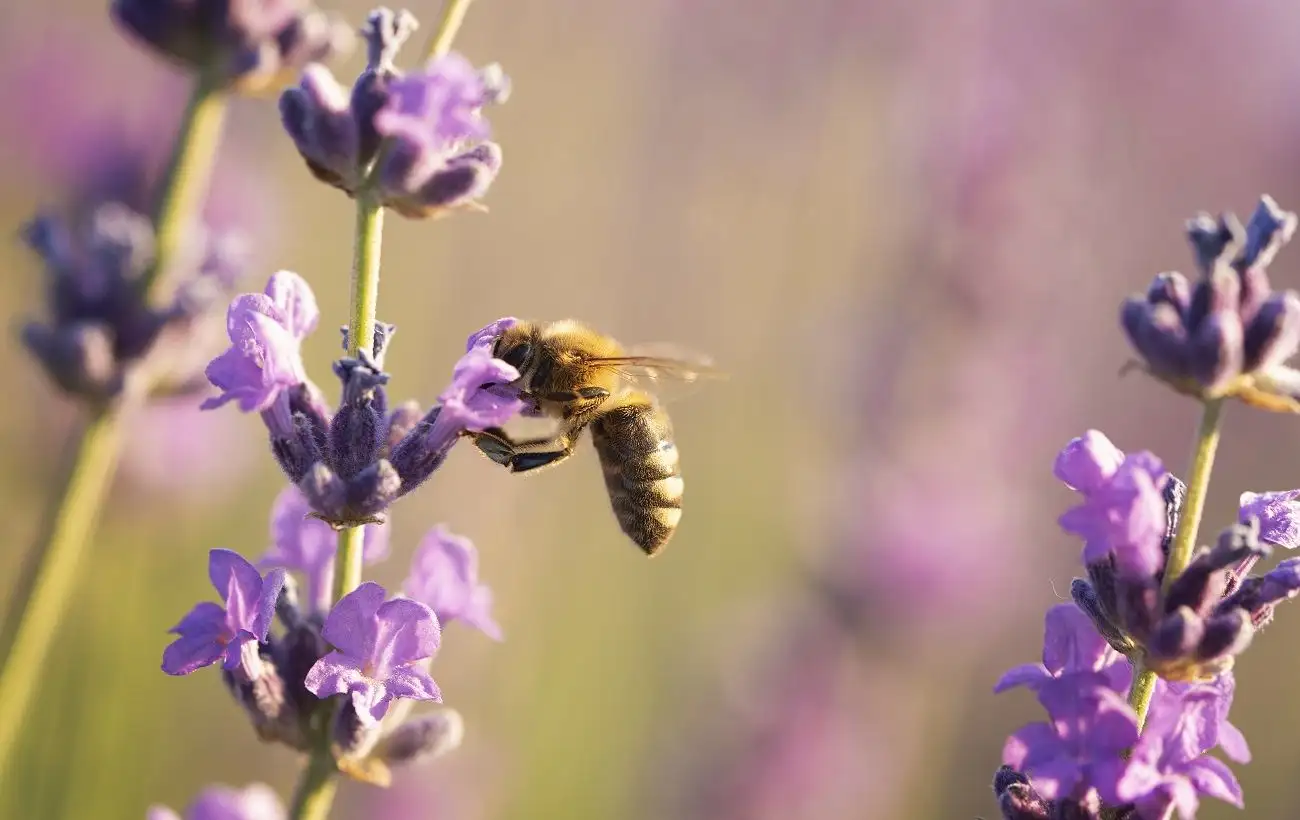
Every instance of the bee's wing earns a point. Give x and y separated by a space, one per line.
667 371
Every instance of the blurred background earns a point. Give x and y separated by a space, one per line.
903 228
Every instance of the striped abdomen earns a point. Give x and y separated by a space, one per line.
639 458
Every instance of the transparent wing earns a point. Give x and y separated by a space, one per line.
667 371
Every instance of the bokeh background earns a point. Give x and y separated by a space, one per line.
903 228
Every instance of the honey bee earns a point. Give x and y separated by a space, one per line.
584 379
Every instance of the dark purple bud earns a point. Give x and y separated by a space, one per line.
1171 288
1273 335
1176 635
299 650
1214 240
355 431
1139 607
1086 598
1215 351
318 118
350 736
423 738
1269 229
287 608
77 357
371 492
325 492
1017 799
417 456
1255 290
252 46
274 716
465 179
1157 334
1259 595
1225 635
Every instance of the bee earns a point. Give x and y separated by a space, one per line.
584 379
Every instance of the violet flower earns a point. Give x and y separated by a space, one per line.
246 46
1278 514
444 576
101 333
417 142
230 634
380 652
1230 334
255 802
1074 653
264 361
306 544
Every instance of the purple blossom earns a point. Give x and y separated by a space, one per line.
255 802
1169 766
444 575
231 634
307 544
266 332
1074 654
1278 514
435 156
1080 747
1124 513
380 651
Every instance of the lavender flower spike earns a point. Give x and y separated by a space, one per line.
264 360
437 157
444 575
247 46
307 544
1278 514
230 634
379 650
256 802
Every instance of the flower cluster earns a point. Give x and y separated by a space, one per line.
1231 333
103 331
417 142
246 46
256 802
1089 755
350 464
372 649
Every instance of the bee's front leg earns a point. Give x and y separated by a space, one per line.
522 456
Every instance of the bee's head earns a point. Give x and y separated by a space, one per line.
515 347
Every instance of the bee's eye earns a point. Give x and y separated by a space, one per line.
517 355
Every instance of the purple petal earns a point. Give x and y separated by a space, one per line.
350 626
1055 777
1278 514
478 614
257 802
335 674
413 683
436 107
191 652
1087 462
1071 642
294 297
239 584
238 378
488 335
1029 674
1212 777
265 607
1233 743
371 703
444 572
205 618
1035 740
406 631
466 405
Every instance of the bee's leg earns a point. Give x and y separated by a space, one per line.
577 403
526 455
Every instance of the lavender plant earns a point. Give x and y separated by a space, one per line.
1137 673
132 280
333 672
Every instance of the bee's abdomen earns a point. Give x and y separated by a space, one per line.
639 458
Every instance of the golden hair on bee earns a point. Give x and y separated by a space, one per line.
583 378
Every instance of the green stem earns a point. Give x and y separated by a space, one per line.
1189 524
365 274
38 601
347 561
453 15
313 797
180 202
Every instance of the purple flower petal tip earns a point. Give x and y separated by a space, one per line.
444 575
488 335
1087 462
1278 514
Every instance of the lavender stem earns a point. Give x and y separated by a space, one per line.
347 561
314 795
1180 552
37 604
188 174
452 18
